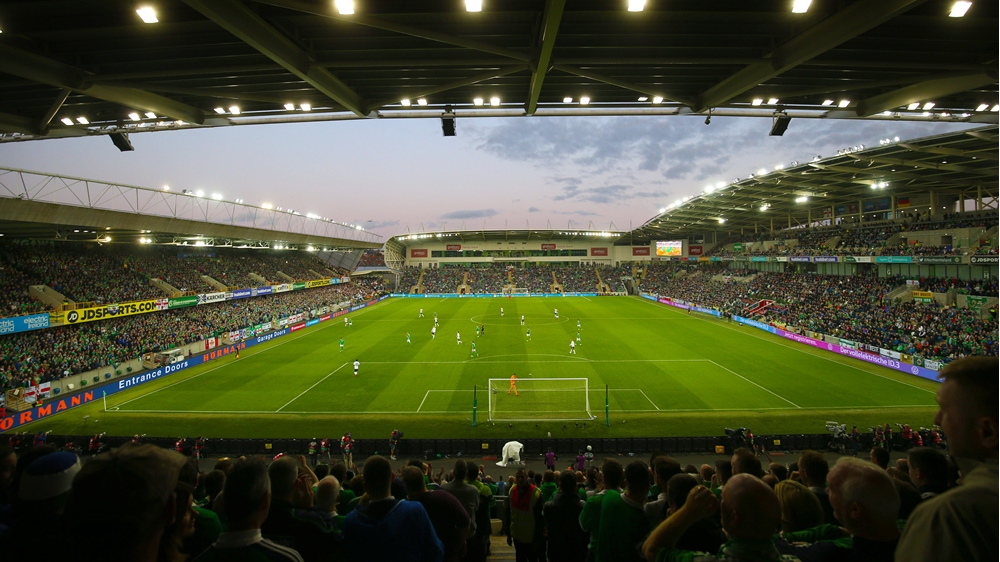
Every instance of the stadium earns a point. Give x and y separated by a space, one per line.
809 310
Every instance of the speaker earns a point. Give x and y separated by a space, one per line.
780 124
121 141
448 124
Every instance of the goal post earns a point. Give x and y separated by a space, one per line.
540 399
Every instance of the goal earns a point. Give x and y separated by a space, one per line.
540 399
520 291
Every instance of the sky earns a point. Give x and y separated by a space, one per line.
401 175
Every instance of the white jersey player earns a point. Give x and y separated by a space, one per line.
522 320
572 347
434 331
501 312
458 337
557 313
421 313
357 365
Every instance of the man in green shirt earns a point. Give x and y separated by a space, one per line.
610 479
624 524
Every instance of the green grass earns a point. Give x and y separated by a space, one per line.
669 373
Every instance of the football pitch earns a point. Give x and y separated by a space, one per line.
664 372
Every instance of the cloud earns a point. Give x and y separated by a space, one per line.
533 209
371 225
470 214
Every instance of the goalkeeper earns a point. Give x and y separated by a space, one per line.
513 385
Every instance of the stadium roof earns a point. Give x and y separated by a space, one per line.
962 164
86 67
40 206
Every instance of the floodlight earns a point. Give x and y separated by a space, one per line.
148 15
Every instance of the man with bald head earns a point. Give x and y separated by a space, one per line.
866 503
751 515
961 524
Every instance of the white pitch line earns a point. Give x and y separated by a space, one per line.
757 385
801 349
650 401
311 387
422 401
397 412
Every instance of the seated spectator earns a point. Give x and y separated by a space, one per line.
567 542
525 524
812 472
386 528
961 524
247 496
291 520
447 515
664 468
750 514
928 470
880 457
866 504
148 477
800 509
704 535
623 520
590 517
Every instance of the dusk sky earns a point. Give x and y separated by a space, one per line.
392 174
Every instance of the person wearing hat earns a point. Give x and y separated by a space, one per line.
41 497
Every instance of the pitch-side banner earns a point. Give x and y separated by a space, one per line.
81 315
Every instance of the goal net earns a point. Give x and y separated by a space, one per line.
515 291
539 399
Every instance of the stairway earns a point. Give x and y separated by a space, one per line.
499 549
418 288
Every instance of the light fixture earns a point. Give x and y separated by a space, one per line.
802 199
764 207
756 102
82 121
772 101
495 101
166 188
959 9
636 5
404 103
344 7
721 220
217 196
473 5
134 116
913 106
928 105
148 15
827 102
657 99
151 115
844 103
983 107
220 110
199 193
422 101
266 206
762 172
995 108
584 100
570 100
305 106
290 106
643 98
800 6
477 101
234 109
66 121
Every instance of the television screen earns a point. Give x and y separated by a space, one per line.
665 248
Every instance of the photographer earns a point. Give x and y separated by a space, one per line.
394 438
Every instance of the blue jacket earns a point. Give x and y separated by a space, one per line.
391 529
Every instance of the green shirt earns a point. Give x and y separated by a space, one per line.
344 503
548 490
624 526
590 518
732 551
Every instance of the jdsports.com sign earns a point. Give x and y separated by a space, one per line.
109 311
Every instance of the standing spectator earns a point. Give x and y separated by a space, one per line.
248 498
750 515
394 438
610 478
141 481
478 543
567 542
42 491
866 503
327 496
812 472
549 486
928 471
550 460
339 471
664 468
291 521
447 515
623 521
386 528
524 519
466 494
8 461
704 535
961 524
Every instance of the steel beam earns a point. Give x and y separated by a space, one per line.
846 24
413 31
978 154
474 79
242 22
550 28
648 90
923 164
54 73
926 90
17 124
